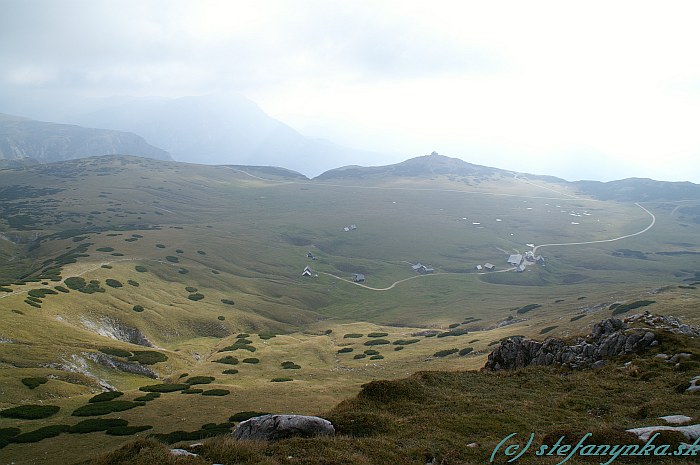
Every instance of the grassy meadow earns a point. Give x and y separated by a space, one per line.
173 267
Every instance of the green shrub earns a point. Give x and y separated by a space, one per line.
105 249
165 387
191 289
266 335
622 308
172 259
127 430
183 375
290 366
41 293
61 289
227 301
200 380
7 433
345 350
192 391
548 329
466 350
243 336
160 246
405 342
377 342
183 271
113 283
201 252
228 360
359 356
41 433
107 267
92 425
140 268
221 318
453 325
5 289
231 371
131 282
179 251
148 357
281 380
371 352
377 334
197 296
376 357
117 254
105 396
103 408
36 300
352 336
527 308
115 352
75 283
445 353
33 383
454 332
251 360
30 411
238 346
399 348
138 308
33 304
148 397
216 392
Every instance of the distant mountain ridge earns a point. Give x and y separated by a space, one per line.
24 141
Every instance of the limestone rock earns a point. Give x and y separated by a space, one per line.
691 432
676 419
273 427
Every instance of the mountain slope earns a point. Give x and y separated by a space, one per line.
222 130
44 142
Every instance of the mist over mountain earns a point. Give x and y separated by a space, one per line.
222 130
24 140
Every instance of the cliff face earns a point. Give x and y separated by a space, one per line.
49 142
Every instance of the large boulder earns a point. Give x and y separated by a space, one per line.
273 427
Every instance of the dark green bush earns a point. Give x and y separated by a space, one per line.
466 350
231 371
117 254
108 267
527 308
377 342
405 342
92 425
228 360
105 249
352 336
113 283
179 251
216 392
622 308
242 336
200 380
197 296
548 329
61 289
453 325
105 396
165 387
377 334
266 335
33 383
160 246
148 397
127 430
131 282
221 318
41 433
30 411
183 271
359 356
36 300
290 366
191 289
75 282
103 408
445 353
148 357
138 308
281 380
33 304
227 301
238 346
201 252
371 352
172 259
41 293
345 350
454 332
399 348
140 268
115 352
243 416
251 360
376 357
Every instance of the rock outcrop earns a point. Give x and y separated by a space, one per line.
609 338
273 427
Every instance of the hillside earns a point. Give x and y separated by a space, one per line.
120 273
22 138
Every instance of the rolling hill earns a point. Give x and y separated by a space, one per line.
123 273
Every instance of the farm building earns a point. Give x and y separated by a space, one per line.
359 278
490 266
307 272
515 259
422 269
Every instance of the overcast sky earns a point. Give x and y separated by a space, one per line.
594 89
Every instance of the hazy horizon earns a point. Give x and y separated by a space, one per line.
597 91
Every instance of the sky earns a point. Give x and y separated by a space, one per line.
582 90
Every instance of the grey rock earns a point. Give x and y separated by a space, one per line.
273 427
676 419
680 356
691 432
182 453
599 364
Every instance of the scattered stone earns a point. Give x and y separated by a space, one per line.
473 445
599 364
691 432
678 357
668 323
273 427
662 356
676 419
694 385
182 453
